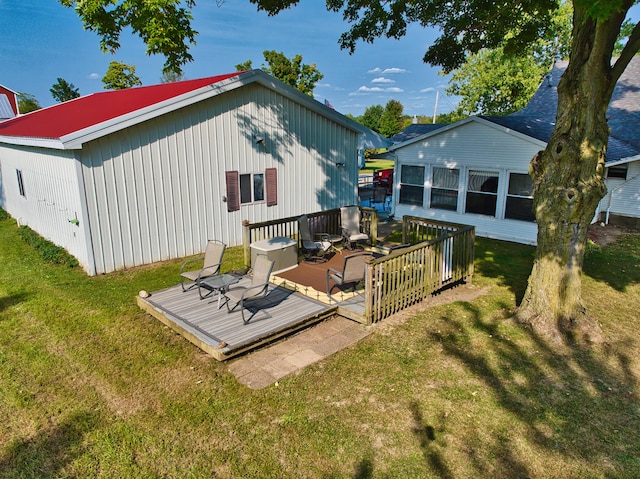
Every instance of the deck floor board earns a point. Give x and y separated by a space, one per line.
224 334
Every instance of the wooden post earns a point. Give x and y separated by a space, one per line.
246 242
374 228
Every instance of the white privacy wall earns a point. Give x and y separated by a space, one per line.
155 190
52 196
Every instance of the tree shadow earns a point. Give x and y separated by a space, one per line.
616 264
50 451
7 301
575 402
509 263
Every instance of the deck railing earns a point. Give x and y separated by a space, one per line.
443 256
321 222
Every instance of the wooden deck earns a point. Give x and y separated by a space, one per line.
224 335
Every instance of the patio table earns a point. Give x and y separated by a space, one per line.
217 283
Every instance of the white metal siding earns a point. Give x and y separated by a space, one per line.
52 196
479 147
623 196
154 191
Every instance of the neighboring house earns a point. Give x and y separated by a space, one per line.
131 177
475 171
8 103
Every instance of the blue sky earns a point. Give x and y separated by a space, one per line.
43 41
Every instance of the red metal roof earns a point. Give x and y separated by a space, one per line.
59 120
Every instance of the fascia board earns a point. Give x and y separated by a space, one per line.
52 143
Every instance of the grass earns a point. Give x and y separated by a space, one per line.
92 387
373 165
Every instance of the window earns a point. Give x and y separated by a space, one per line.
20 182
520 198
411 185
251 187
619 172
444 191
482 192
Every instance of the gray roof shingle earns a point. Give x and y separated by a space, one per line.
537 119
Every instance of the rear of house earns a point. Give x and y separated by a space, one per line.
472 172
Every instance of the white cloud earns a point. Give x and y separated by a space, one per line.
394 89
382 80
364 90
427 90
387 71
93 76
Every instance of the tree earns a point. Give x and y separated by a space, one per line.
171 77
27 103
120 76
62 91
391 121
491 83
371 117
163 25
568 174
290 71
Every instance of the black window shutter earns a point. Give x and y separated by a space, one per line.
233 193
271 177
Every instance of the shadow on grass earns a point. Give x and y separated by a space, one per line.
578 404
7 301
510 263
47 453
617 264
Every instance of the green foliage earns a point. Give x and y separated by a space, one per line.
492 83
171 77
392 121
371 117
62 91
163 25
3 215
27 103
120 76
49 252
292 71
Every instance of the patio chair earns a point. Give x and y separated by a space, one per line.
350 221
315 250
353 271
211 261
380 196
244 296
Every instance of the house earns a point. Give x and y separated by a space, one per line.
475 171
8 103
131 177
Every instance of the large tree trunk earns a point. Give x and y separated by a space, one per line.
568 184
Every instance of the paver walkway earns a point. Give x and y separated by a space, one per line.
266 366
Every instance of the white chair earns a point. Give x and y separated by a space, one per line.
350 223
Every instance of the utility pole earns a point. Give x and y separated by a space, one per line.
435 109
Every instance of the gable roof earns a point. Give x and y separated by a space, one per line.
460 124
70 124
414 130
537 119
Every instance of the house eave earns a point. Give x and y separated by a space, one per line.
52 143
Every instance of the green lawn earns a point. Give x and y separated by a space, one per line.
92 387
